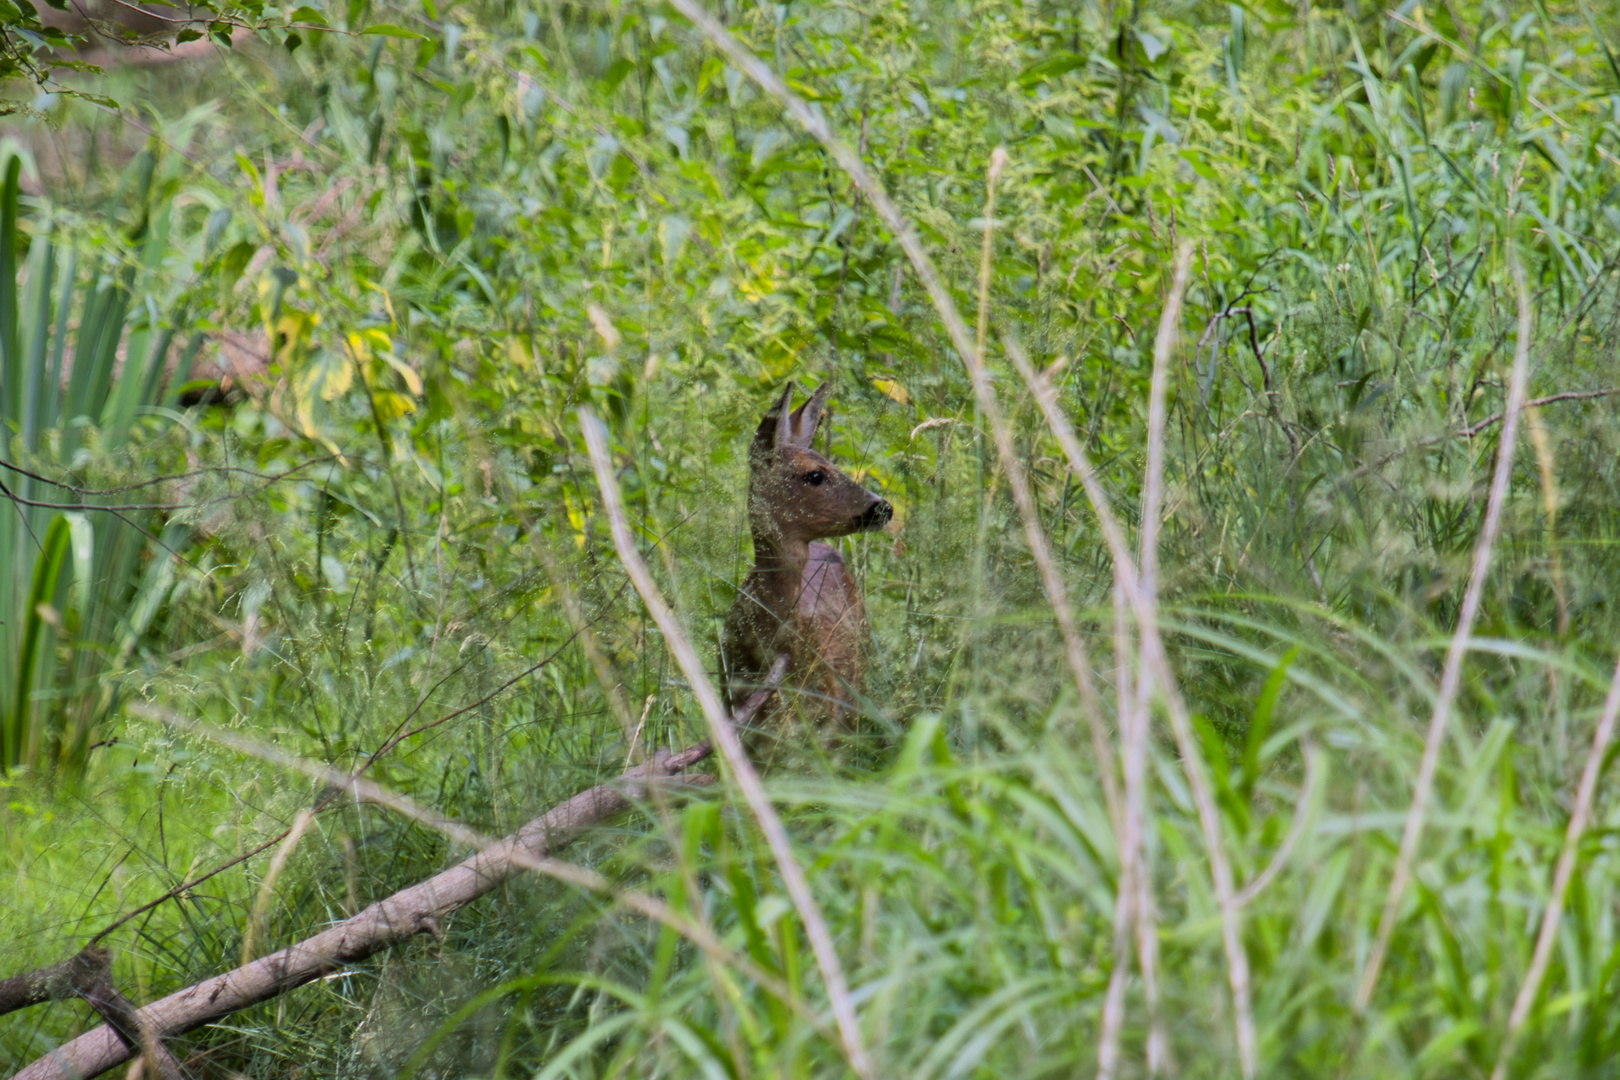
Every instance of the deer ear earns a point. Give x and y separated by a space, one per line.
807 417
775 427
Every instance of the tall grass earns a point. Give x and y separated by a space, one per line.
539 208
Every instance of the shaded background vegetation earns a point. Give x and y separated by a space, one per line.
409 257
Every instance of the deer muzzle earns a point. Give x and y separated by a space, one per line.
875 516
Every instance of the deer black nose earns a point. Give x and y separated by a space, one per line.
877 515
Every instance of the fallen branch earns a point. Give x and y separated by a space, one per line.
403 915
88 975
52 983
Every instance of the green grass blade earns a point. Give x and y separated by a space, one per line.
30 387
1260 723
33 667
9 358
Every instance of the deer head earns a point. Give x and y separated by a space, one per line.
795 495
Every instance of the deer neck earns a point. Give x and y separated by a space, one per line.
780 561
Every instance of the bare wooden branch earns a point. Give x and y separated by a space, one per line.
52 983
410 911
88 975
155 1062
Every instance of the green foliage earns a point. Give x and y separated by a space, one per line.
73 589
439 245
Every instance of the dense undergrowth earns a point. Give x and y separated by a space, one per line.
415 257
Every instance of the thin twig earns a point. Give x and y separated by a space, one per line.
1451 677
1471 430
154 480
1569 395
723 733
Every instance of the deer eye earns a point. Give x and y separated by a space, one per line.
815 479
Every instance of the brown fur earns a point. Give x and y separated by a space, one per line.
800 597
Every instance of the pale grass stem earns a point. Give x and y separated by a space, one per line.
261 904
1126 901
1451 676
727 742
1578 817
1040 548
1542 445
1155 659
998 163
1133 907
1296 829
1156 662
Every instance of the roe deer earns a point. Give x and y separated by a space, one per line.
800 598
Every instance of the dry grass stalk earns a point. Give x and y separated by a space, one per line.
1296 829
278 863
1156 664
1541 442
1133 875
1451 677
1155 661
724 735
1040 548
1133 909
1578 818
